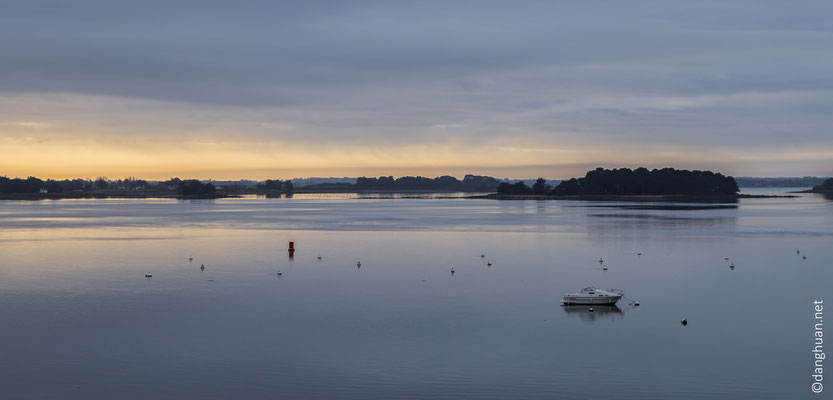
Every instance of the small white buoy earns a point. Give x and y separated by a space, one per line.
636 304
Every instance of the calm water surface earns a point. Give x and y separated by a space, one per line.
80 321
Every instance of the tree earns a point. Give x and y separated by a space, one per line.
101 183
288 187
540 187
518 187
664 181
272 185
193 187
53 187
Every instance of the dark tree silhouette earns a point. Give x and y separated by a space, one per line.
194 187
640 181
53 187
518 187
102 183
471 183
272 185
288 187
827 186
540 187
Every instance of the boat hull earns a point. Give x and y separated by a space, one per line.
590 300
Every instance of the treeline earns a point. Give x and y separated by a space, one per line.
189 187
827 186
624 181
470 183
276 186
17 185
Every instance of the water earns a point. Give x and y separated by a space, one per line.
80 321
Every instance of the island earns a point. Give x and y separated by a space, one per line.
825 189
33 188
626 184
404 184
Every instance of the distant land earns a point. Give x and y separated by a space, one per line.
806 181
826 187
35 188
603 183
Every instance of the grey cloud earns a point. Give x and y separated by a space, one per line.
583 70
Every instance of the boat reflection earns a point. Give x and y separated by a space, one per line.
599 312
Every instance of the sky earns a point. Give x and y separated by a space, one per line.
268 89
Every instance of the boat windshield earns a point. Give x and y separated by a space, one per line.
589 289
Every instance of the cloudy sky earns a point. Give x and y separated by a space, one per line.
267 89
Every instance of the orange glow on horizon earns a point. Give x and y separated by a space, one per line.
65 136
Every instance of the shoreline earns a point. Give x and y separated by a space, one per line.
624 197
60 196
491 196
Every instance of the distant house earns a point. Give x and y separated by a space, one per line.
43 190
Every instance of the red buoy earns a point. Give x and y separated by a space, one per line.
291 246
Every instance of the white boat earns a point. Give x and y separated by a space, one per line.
590 295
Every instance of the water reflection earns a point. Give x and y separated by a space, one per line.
402 327
675 207
599 312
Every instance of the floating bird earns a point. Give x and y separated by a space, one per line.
797 251
148 275
319 257
590 309
452 271
803 257
280 273
489 264
639 254
359 264
604 268
482 255
732 265
684 322
191 258
636 304
726 258
202 267
601 260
